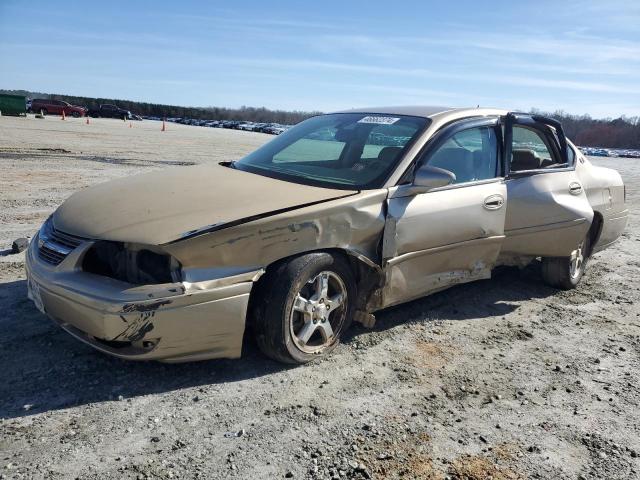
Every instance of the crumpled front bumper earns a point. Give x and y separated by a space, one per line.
170 322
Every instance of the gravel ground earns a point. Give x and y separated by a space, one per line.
501 379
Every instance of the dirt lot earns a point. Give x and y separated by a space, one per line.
500 379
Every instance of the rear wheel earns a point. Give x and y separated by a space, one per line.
306 306
44 111
75 114
566 272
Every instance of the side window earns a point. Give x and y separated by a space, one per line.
470 154
530 151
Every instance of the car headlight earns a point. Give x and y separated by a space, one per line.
44 233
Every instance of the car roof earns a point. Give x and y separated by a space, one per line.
428 111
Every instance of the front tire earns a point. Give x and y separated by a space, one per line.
306 305
566 272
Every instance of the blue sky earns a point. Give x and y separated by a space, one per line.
577 56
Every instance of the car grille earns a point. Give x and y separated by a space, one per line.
57 246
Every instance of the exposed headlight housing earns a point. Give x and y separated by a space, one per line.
131 263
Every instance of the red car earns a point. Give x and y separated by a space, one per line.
56 107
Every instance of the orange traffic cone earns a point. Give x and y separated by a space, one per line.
163 126
63 117
130 126
87 119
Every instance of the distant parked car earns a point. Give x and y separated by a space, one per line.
274 130
108 110
599 152
56 107
629 154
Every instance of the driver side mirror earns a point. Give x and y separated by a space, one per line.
428 178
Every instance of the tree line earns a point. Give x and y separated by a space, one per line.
247 114
622 132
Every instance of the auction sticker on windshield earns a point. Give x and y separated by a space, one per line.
379 120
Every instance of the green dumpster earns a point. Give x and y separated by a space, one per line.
13 104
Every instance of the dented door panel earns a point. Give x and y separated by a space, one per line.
439 238
414 275
544 216
548 214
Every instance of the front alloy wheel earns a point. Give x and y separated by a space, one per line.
303 306
318 312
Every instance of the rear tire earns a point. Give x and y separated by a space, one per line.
306 304
566 272
75 114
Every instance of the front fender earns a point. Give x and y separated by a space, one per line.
353 223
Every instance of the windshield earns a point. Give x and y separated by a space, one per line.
343 150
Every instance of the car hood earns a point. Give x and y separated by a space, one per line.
169 204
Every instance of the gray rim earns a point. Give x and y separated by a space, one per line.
577 261
318 312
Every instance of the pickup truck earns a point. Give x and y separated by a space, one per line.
108 110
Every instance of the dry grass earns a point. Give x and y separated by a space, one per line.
480 468
432 355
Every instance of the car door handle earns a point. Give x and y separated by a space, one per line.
493 202
575 188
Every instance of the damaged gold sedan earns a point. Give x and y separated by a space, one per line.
342 215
